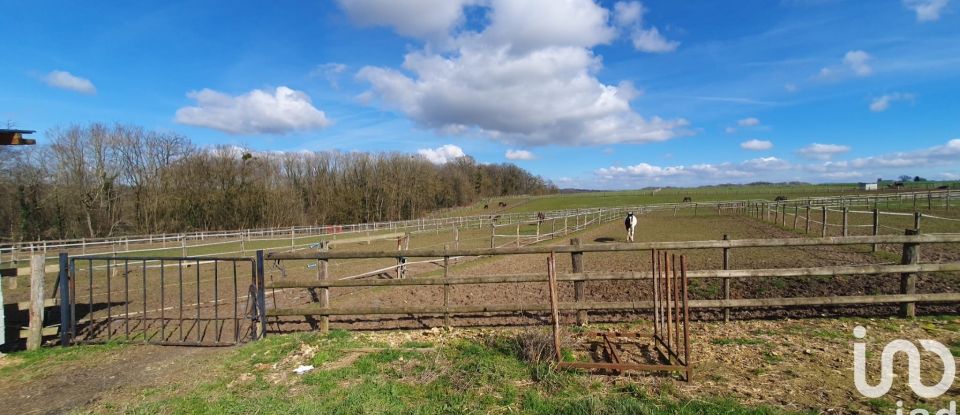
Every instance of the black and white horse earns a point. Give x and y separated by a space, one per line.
630 223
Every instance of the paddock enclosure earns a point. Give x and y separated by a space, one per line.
745 259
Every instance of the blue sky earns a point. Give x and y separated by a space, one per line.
601 95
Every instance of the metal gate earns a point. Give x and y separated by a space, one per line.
201 301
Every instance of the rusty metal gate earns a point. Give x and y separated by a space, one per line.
200 301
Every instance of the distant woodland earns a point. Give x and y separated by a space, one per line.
104 180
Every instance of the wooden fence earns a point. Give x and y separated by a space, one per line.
907 298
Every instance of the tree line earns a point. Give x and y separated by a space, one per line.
104 180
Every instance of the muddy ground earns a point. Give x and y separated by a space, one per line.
651 228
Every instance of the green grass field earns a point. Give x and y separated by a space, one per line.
675 195
479 375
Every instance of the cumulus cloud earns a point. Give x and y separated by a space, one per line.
776 169
627 13
281 111
748 122
70 82
926 10
696 172
730 130
854 63
756 145
857 61
823 151
629 16
441 155
427 19
533 25
650 40
882 103
947 153
527 78
519 155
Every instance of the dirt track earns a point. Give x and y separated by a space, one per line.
656 228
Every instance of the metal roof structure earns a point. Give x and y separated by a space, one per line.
10 137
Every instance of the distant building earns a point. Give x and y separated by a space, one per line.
868 186
10 137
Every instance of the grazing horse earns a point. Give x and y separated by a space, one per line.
687 199
630 223
540 218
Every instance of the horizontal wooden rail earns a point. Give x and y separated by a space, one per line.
626 247
614 306
620 276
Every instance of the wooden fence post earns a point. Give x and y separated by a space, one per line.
493 235
35 336
796 215
518 234
845 226
726 281
323 274
3 318
916 221
908 281
576 259
806 226
446 288
456 237
876 226
823 226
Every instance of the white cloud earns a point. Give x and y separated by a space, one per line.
855 63
528 78
627 13
331 72
256 112
775 169
425 19
756 145
948 153
857 60
519 155
883 102
842 175
644 170
629 16
650 40
441 155
70 82
765 163
790 87
823 151
533 25
697 172
730 130
927 10
748 122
